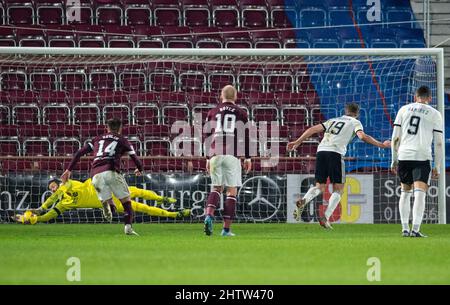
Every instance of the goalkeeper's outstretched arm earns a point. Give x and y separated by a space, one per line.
308 133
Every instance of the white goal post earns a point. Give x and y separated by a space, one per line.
345 57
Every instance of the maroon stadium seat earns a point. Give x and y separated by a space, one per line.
20 13
133 81
13 80
250 81
137 12
5 114
166 13
280 82
34 130
196 13
217 79
225 13
50 13
86 114
43 80
7 37
254 13
294 115
66 146
102 80
162 80
73 80
155 147
26 114
10 147
109 14
37 147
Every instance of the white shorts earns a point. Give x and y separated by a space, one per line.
225 171
108 183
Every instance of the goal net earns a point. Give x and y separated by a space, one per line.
54 100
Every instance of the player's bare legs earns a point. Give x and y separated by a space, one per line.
420 193
334 200
210 207
312 193
405 208
229 211
128 215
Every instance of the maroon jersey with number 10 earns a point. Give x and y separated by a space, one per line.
108 150
229 129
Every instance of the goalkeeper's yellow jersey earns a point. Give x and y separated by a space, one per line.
74 194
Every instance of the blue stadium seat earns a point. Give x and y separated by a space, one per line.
324 38
312 15
400 17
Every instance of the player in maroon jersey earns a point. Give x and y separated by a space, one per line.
226 124
105 170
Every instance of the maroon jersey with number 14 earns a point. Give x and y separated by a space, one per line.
108 150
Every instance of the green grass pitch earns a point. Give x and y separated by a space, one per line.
259 254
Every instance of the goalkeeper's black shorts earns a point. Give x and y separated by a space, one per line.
412 171
330 164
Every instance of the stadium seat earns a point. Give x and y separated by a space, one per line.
138 13
266 39
37 147
91 42
307 149
234 39
249 81
65 146
116 110
196 13
26 114
20 14
64 131
311 15
207 37
217 79
339 15
33 131
109 14
282 81
73 80
7 37
60 38
133 81
2 15
56 114
317 114
186 147
324 38
225 13
86 114
282 16
50 14
82 97
191 81
166 13
254 13
10 147
81 14
178 37
5 114
43 80
13 80
294 115
173 108
31 37
162 80
399 17
157 147
148 37
156 131
102 80
137 145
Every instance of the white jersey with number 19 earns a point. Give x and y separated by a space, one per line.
339 132
417 122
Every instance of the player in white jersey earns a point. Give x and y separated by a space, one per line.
339 132
415 127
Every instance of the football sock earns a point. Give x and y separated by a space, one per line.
229 210
332 204
312 193
212 202
418 208
405 209
144 194
48 216
154 211
128 212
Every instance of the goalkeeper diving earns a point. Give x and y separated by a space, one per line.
76 195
